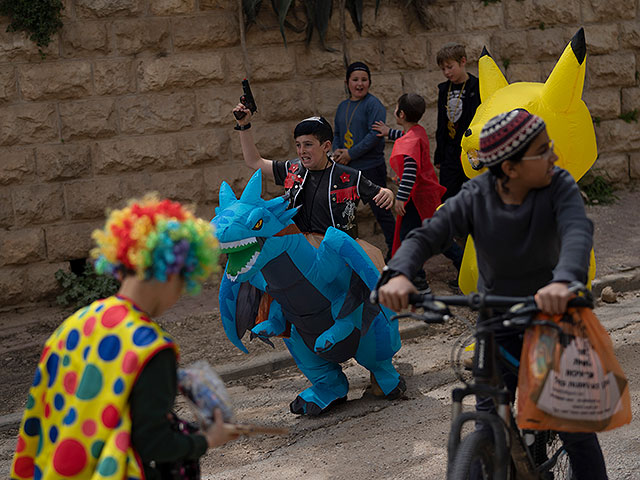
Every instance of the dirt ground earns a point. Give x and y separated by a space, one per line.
195 324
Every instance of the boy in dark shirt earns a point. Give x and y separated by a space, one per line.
458 99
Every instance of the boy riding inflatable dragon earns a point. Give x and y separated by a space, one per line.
277 284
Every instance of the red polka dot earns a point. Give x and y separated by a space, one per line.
47 410
114 315
88 326
20 445
70 381
110 416
23 467
89 428
130 362
60 344
43 397
122 441
44 353
69 458
144 318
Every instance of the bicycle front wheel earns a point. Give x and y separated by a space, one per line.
552 461
475 457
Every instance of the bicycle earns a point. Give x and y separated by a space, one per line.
506 452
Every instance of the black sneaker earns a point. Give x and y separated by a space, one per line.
422 285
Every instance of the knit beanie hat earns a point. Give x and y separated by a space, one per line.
358 66
506 134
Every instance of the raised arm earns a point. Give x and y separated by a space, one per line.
249 150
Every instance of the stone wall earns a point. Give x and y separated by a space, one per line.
135 95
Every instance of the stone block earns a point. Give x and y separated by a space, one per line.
6 209
630 35
617 136
594 11
388 88
389 22
334 30
614 168
274 141
271 63
8 90
13 284
82 39
235 174
430 122
472 15
205 31
631 99
424 83
71 241
88 119
60 80
548 44
89 199
181 186
634 165
313 62
327 96
148 35
171 7
509 45
405 54
114 77
149 153
36 204
522 72
22 246
16 46
284 101
603 103
136 185
537 13
109 8
601 39
367 51
217 4
63 162
618 69
41 281
196 148
17 165
179 71
214 105
156 113
28 123
437 17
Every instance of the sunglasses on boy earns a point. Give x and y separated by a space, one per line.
544 155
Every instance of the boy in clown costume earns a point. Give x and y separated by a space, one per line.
106 380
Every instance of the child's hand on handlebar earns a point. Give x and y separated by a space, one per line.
395 293
552 299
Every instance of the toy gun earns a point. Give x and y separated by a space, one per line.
247 100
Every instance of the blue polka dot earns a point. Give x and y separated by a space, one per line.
53 434
109 348
144 336
37 378
72 339
66 360
118 386
85 354
129 324
58 402
100 307
52 368
70 418
37 473
32 426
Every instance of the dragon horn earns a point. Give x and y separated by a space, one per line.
253 190
226 196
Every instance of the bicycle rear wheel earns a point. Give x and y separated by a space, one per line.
547 446
476 454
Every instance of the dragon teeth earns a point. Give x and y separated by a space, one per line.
238 243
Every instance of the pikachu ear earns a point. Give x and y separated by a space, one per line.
490 77
562 91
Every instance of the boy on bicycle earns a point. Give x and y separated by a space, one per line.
531 233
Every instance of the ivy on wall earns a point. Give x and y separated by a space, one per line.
41 19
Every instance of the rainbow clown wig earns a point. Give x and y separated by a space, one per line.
152 239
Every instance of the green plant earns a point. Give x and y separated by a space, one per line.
598 190
629 117
487 2
542 26
41 19
81 290
506 62
596 121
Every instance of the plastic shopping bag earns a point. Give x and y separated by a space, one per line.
206 391
571 381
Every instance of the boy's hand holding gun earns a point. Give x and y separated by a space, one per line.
244 110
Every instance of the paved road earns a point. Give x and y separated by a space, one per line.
371 438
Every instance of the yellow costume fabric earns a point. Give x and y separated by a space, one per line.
77 422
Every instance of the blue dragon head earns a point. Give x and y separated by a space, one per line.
244 225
